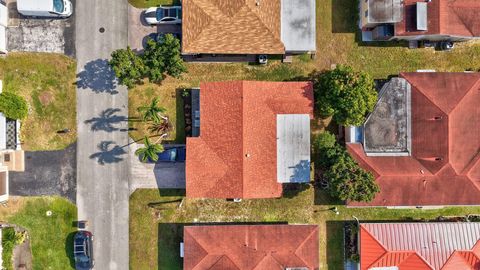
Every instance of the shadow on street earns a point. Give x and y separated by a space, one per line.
98 76
107 120
107 153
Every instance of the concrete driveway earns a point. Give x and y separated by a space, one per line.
139 30
47 173
40 35
163 175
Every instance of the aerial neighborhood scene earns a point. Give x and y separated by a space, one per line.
240 134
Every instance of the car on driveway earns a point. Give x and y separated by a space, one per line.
164 15
82 250
172 154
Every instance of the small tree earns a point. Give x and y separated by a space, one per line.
128 67
345 94
323 141
13 106
151 112
160 128
163 56
346 180
149 151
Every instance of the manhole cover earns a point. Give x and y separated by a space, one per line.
101 29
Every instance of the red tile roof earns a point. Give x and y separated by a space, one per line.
252 247
444 167
429 246
239 118
446 17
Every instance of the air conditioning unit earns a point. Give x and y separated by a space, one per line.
262 59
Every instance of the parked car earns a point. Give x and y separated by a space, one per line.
45 8
173 154
83 250
164 15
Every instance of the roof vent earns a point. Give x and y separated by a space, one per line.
438 158
247 155
422 16
438 118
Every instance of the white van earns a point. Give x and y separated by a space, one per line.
45 8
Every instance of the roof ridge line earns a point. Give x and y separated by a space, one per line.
200 245
242 89
386 251
268 29
460 19
460 255
315 229
203 28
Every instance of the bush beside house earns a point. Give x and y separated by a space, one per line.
346 180
13 106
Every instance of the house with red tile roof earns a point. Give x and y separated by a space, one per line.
422 141
251 247
253 137
435 20
420 246
248 27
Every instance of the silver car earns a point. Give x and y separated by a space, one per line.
164 15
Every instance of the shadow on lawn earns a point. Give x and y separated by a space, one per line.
335 243
69 248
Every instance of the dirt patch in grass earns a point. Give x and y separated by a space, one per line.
46 81
46 98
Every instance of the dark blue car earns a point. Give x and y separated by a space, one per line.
83 250
173 154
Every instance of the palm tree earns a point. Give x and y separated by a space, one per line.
161 127
149 151
151 112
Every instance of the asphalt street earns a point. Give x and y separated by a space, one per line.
102 154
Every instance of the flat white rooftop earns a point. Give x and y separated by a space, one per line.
298 25
293 148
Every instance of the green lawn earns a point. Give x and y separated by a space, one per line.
156 230
336 44
155 227
51 237
46 81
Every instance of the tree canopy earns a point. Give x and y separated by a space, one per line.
345 94
160 58
149 151
152 111
128 67
346 180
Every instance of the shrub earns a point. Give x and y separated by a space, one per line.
8 244
323 141
347 181
13 106
345 94
163 57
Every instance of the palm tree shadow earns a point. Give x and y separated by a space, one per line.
107 120
108 154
